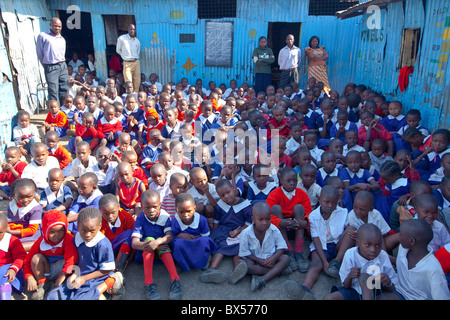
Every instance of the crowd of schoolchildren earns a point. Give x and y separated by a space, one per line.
189 175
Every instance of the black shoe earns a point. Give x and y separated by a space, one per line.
151 292
175 290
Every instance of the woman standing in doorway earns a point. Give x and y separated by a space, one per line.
317 66
263 58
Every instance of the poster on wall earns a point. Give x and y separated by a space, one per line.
219 44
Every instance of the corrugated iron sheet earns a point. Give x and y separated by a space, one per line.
97 6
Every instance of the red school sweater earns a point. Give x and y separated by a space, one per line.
278 197
12 251
7 176
104 127
60 120
62 155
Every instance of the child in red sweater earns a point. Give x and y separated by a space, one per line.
129 190
279 122
85 131
56 150
56 119
290 207
12 255
11 170
109 128
54 251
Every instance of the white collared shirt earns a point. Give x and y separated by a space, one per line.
288 194
77 169
374 217
329 230
289 58
39 174
250 245
22 211
128 48
194 225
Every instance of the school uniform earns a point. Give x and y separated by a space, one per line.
441 237
362 176
425 281
311 120
374 217
59 122
313 193
52 201
356 147
77 169
144 228
204 125
119 232
8 177
86 134
335 129
105 127
138 115
384 203
229 218
69 113
26 219
62 155
129 195
322 176
316 153
393 124
353 259
38 173
196 252
150 154
374 134
94 255
162 190
12 256
82 202
429 164
30 134
328 231
105 179
329 126
250 245
377 162
285 132
171 133
291 146
254 194
202 198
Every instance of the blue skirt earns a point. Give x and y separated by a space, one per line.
17 284
88 291
193 253
220 235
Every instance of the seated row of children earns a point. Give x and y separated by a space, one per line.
325 188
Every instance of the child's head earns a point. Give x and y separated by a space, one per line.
426 207
125 173
171 114
384 108
363 204
328 161
89 223
198 177
261 216
395 108
415 234
54 107
207 108
419 187
130 102
278 113
255 118
40 153
440 140
185 207
54 226
13 155
154 137
151 203
390 171
326 105
176 150
226 113
88 120
413 136
108 112
329 198
51 139
366 161
23 118
310 139
166 160
444 186
158 174
178 183
55 179
308 175
367 117
302 105
124 141
260 174
296 130
353 161
83 151
378 147
336 145
118 109
303 157
371 106
87 184
109 206
338 183
351 138
288 179
343 103
23 190
226 192
402 157
413 118
369 241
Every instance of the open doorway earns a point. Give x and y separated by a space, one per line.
78 40
276 36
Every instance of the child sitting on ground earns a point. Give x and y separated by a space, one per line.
328 169
371 130
105 169
232 215
310 139
260 187
378 154
82 161
178 184
192 245
351 142
330 240
152 235
12 257
290 208
308 184
342 125
160 182
56 120
85 131
345 197
117 225
262 248
109 128
89 196
358 264
25 134
420 276
96 274
132 158
56 196
54 251
56 150
129 189
11 170
24 213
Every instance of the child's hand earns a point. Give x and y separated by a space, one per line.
7 166
11 274
354 273
110 135
353 234
385 280
269 262
31 284
77 282
234 233
403 199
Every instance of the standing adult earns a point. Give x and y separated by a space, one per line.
289 61
129 47
263 58
317 66
51 52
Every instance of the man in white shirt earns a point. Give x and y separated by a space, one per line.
129 47
289 61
